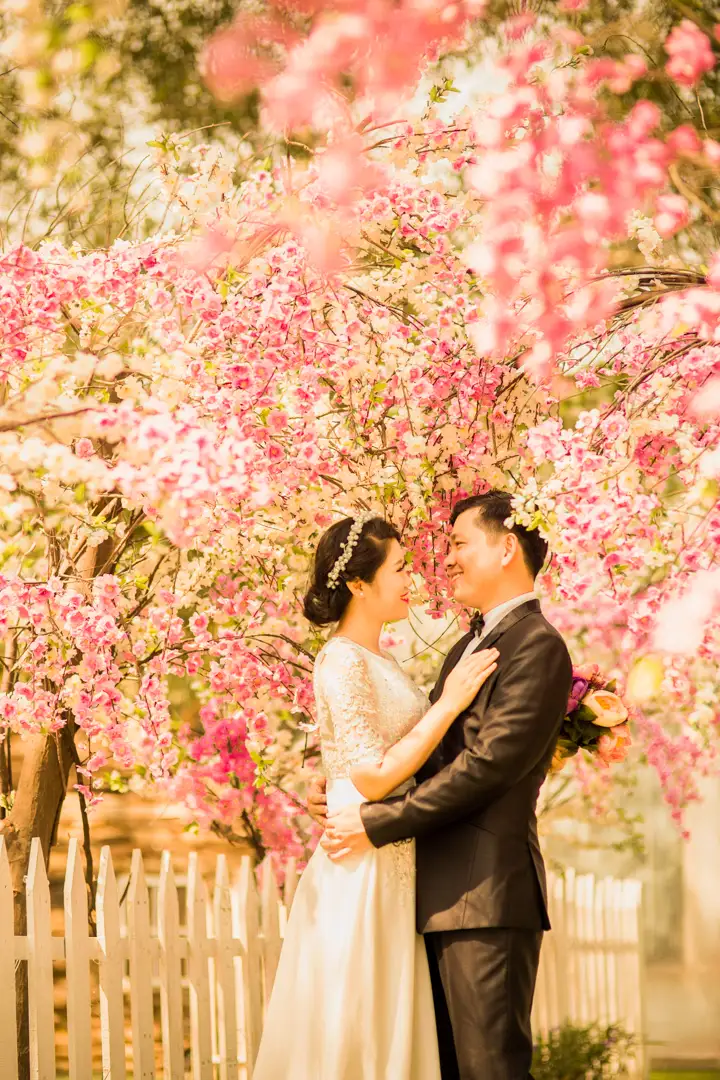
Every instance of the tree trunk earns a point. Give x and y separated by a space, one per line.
36 810
45 772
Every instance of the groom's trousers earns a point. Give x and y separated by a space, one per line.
483 984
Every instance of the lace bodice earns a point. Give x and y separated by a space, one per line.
365 703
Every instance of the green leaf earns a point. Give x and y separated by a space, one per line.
116 782
78 13
583 715
89 51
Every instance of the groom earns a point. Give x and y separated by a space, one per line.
481 893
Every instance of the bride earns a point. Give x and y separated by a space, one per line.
352 997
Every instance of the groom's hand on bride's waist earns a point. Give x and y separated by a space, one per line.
345 834
317 800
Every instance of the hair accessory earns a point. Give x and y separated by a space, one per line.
348 547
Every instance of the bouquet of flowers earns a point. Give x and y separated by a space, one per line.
596 720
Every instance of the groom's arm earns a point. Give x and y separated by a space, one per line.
517 730
432 766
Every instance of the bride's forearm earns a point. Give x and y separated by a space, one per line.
403 760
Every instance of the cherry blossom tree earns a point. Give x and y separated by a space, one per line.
405 317
524 292
580 171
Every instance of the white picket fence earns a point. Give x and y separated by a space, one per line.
211 971
591 967
209 964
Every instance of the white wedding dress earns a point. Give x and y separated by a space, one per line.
352 997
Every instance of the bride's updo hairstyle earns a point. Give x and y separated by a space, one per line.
324 605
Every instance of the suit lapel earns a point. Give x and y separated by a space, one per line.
510 619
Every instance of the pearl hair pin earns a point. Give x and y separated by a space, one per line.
348 547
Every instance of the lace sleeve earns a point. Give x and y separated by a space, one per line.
349 729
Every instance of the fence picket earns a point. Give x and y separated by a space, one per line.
170 973
561 946
198 973
40 970
574 989
76 965
603 1008
611 934
583 885
225 973
246 926
212 971
634 892
141 970
112 1019
8 1032
631 1003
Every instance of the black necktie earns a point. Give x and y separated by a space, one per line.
477 623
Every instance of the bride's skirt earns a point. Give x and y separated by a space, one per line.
352 997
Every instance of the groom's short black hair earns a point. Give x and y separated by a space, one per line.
494 507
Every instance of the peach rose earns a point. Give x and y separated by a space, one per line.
613 746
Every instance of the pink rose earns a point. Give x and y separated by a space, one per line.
586 671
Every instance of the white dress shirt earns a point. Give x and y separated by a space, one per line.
496 615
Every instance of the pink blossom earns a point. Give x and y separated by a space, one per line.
344 172
518 25
681 626
230 62
672 214
684 140
690 52
84 448
706 403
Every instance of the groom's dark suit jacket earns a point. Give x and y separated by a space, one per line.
473 812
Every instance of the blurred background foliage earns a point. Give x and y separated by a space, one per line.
84 87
